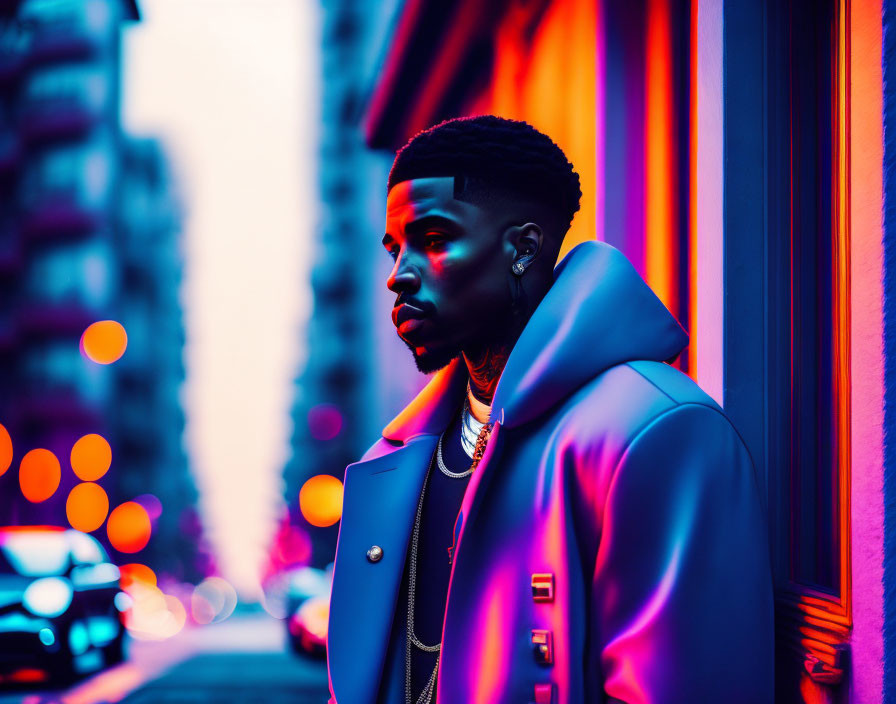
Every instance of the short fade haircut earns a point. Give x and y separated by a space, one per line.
489 155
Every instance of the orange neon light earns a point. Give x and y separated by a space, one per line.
559 61
129 527
320 500
86 507
91 457
661 250
5 450
39 475
104 341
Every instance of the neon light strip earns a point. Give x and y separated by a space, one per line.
661 175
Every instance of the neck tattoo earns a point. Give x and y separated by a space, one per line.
485 370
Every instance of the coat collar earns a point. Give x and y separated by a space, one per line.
431 411
598 313
379 503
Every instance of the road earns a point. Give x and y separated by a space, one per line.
243 660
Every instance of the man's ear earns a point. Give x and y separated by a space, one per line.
527 241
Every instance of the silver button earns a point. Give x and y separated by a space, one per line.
375 553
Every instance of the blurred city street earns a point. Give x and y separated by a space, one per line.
244 659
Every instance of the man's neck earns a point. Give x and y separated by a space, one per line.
485 367
486 362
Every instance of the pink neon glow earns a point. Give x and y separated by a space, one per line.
494 655
556 548
151 503
866 206
636 645
600 112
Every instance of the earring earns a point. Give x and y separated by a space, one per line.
518 268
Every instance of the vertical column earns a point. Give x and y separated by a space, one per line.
706 178
623 175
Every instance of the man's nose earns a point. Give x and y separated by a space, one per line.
404 276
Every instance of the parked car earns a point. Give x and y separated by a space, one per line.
60 603
308 609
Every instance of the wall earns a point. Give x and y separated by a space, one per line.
867 357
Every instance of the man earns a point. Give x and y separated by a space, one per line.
559 516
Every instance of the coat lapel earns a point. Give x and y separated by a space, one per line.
379 501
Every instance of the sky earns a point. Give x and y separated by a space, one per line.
231 87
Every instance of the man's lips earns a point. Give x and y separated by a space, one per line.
409 325
407 318
405 312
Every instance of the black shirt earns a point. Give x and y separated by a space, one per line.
441 503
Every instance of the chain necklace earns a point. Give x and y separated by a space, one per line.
470 427
427 692
443 468
429 689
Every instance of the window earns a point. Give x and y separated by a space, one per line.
787 310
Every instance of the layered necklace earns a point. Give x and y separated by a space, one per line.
474 436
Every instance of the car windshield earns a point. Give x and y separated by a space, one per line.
34 554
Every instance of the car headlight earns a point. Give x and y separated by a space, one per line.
48 597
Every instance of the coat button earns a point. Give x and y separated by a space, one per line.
544 694
375 553
543 644
543 586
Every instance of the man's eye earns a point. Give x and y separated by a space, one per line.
435 239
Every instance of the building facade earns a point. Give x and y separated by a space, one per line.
148 426
88 232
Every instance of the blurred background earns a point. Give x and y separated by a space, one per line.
194 321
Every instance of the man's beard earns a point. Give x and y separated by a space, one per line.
432 361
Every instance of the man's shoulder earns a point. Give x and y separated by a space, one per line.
381 447
626 398
677 386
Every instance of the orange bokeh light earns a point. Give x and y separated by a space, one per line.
5 450
129 527
135 572
87 506
104 341
91 457
320 500
39 475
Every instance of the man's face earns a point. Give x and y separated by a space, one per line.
450 270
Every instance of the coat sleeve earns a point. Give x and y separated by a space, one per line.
682 588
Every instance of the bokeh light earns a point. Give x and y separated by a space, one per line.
292 546
39 475
153 615
5 450
135 572
129 527
320 500
87 506
91 457
104 341
324 421
314 615
213 600
151 503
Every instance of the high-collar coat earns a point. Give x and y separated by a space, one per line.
607 469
